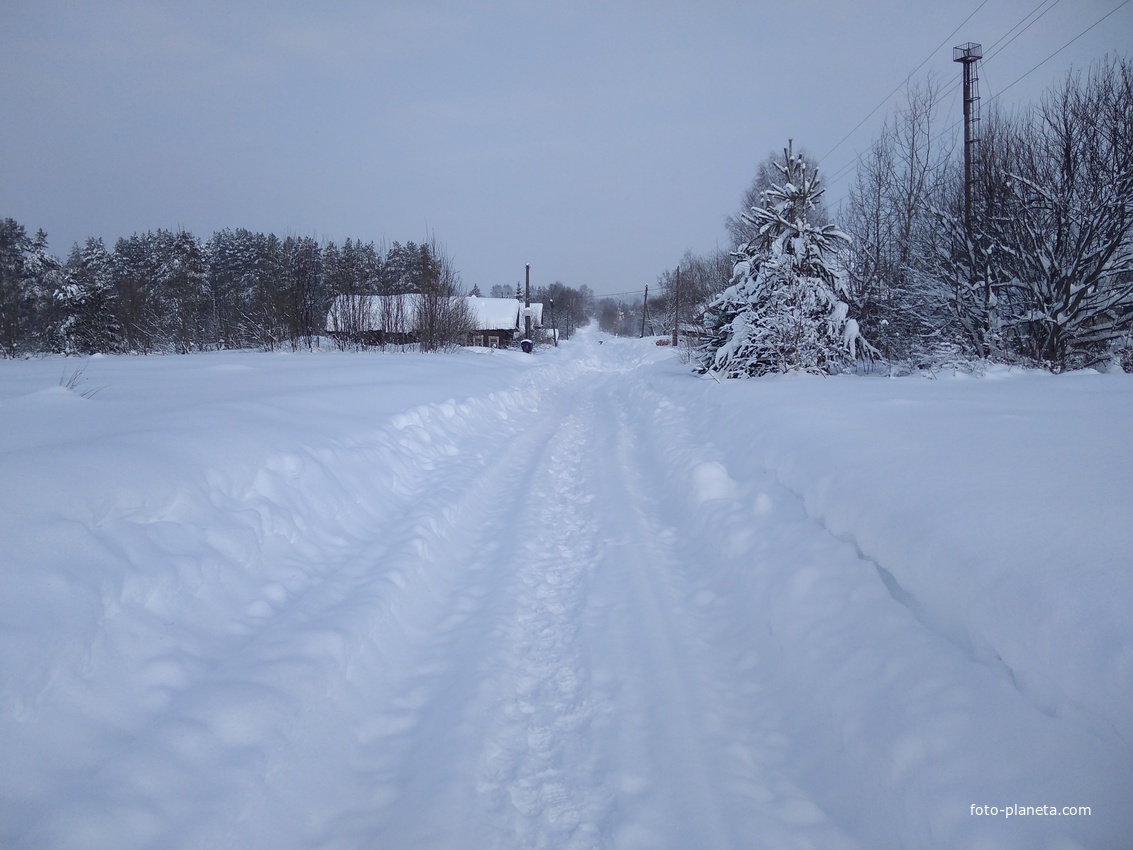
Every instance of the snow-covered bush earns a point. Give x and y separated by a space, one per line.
784 309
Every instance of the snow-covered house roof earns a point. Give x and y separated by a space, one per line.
493 314
397 313
503 313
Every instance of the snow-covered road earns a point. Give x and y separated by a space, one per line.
498 604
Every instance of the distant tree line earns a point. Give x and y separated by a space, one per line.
566 308
168 291
679 297
1042 274
619 316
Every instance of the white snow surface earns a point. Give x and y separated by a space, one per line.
575 599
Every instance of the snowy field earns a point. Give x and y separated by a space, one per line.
581 599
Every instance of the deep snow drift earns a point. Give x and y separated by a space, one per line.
577 599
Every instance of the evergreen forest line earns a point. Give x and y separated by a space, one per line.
167 292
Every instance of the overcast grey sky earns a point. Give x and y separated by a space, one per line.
595 140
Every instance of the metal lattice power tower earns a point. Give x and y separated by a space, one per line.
969 54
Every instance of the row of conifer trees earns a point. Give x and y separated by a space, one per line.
168 291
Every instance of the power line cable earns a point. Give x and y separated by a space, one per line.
849 167
995 48
951 128
619 294
1026 22
924 61
1067 44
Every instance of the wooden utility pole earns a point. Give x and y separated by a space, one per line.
677 307
527 306
644 311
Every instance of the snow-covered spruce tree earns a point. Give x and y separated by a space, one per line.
783 311
27 274
85 322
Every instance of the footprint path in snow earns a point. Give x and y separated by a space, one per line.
538 767
593 712
449 661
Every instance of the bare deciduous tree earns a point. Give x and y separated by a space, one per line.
1046 271
888 216
686 295
1066 247
444 318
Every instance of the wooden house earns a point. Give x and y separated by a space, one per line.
393 319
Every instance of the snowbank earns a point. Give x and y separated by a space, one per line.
970 640
998 510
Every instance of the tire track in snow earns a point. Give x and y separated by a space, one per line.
700 746
402 745
428 761
538 771
665 770
616 723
